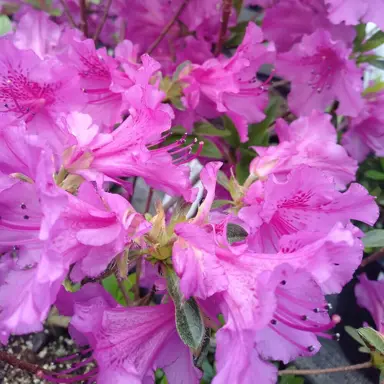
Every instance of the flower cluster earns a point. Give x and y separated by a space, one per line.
248 265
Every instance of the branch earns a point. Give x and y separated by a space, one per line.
167 27
102 21
149 200
24 365
83 16
68 13
374 257
136 288
127 299
227 8
355 367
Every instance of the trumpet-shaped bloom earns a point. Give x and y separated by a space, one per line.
321 72
308 140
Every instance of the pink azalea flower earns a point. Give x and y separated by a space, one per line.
353 11
94 228
33 90
37 32
299 317
321 72
228 85
69 303
131 353
366 131
28 211
96 70
369 294
308 140
308 201
281 23
127 150
193 254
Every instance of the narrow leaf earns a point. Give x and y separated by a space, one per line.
377 63
373 42
354 334
374 175
189 320
207 129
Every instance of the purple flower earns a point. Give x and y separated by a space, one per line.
321 72
306 201
369 294
33 90
365 132
352 11
283 24
308 140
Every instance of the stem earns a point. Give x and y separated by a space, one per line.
68 13
83 16
120 283
136 289
355 367
133 189
167 27
102 21
24 365
149 200
227 7
374 257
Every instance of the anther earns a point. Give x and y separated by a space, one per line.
283 282
304 317
273 322
311 348
26 217
23 206
328 306
336 336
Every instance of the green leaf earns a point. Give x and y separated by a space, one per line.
5 24
258 133
208 129
381 159
374 175
377 63
209 372
238 32
354 334
221 203
223 180
110 285
291 379
189 320
378 86
242 167
360 36
209 149
373 42
372 339
235 233
202 353
374 238
233 139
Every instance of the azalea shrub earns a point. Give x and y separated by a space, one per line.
258 136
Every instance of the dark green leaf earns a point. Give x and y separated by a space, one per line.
5 25
189 321
242 167
209 149
235 233
207 129
258 133
372 338
291 379
381 159
360 36
238 32
233 139
373 42
374 238
374 175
